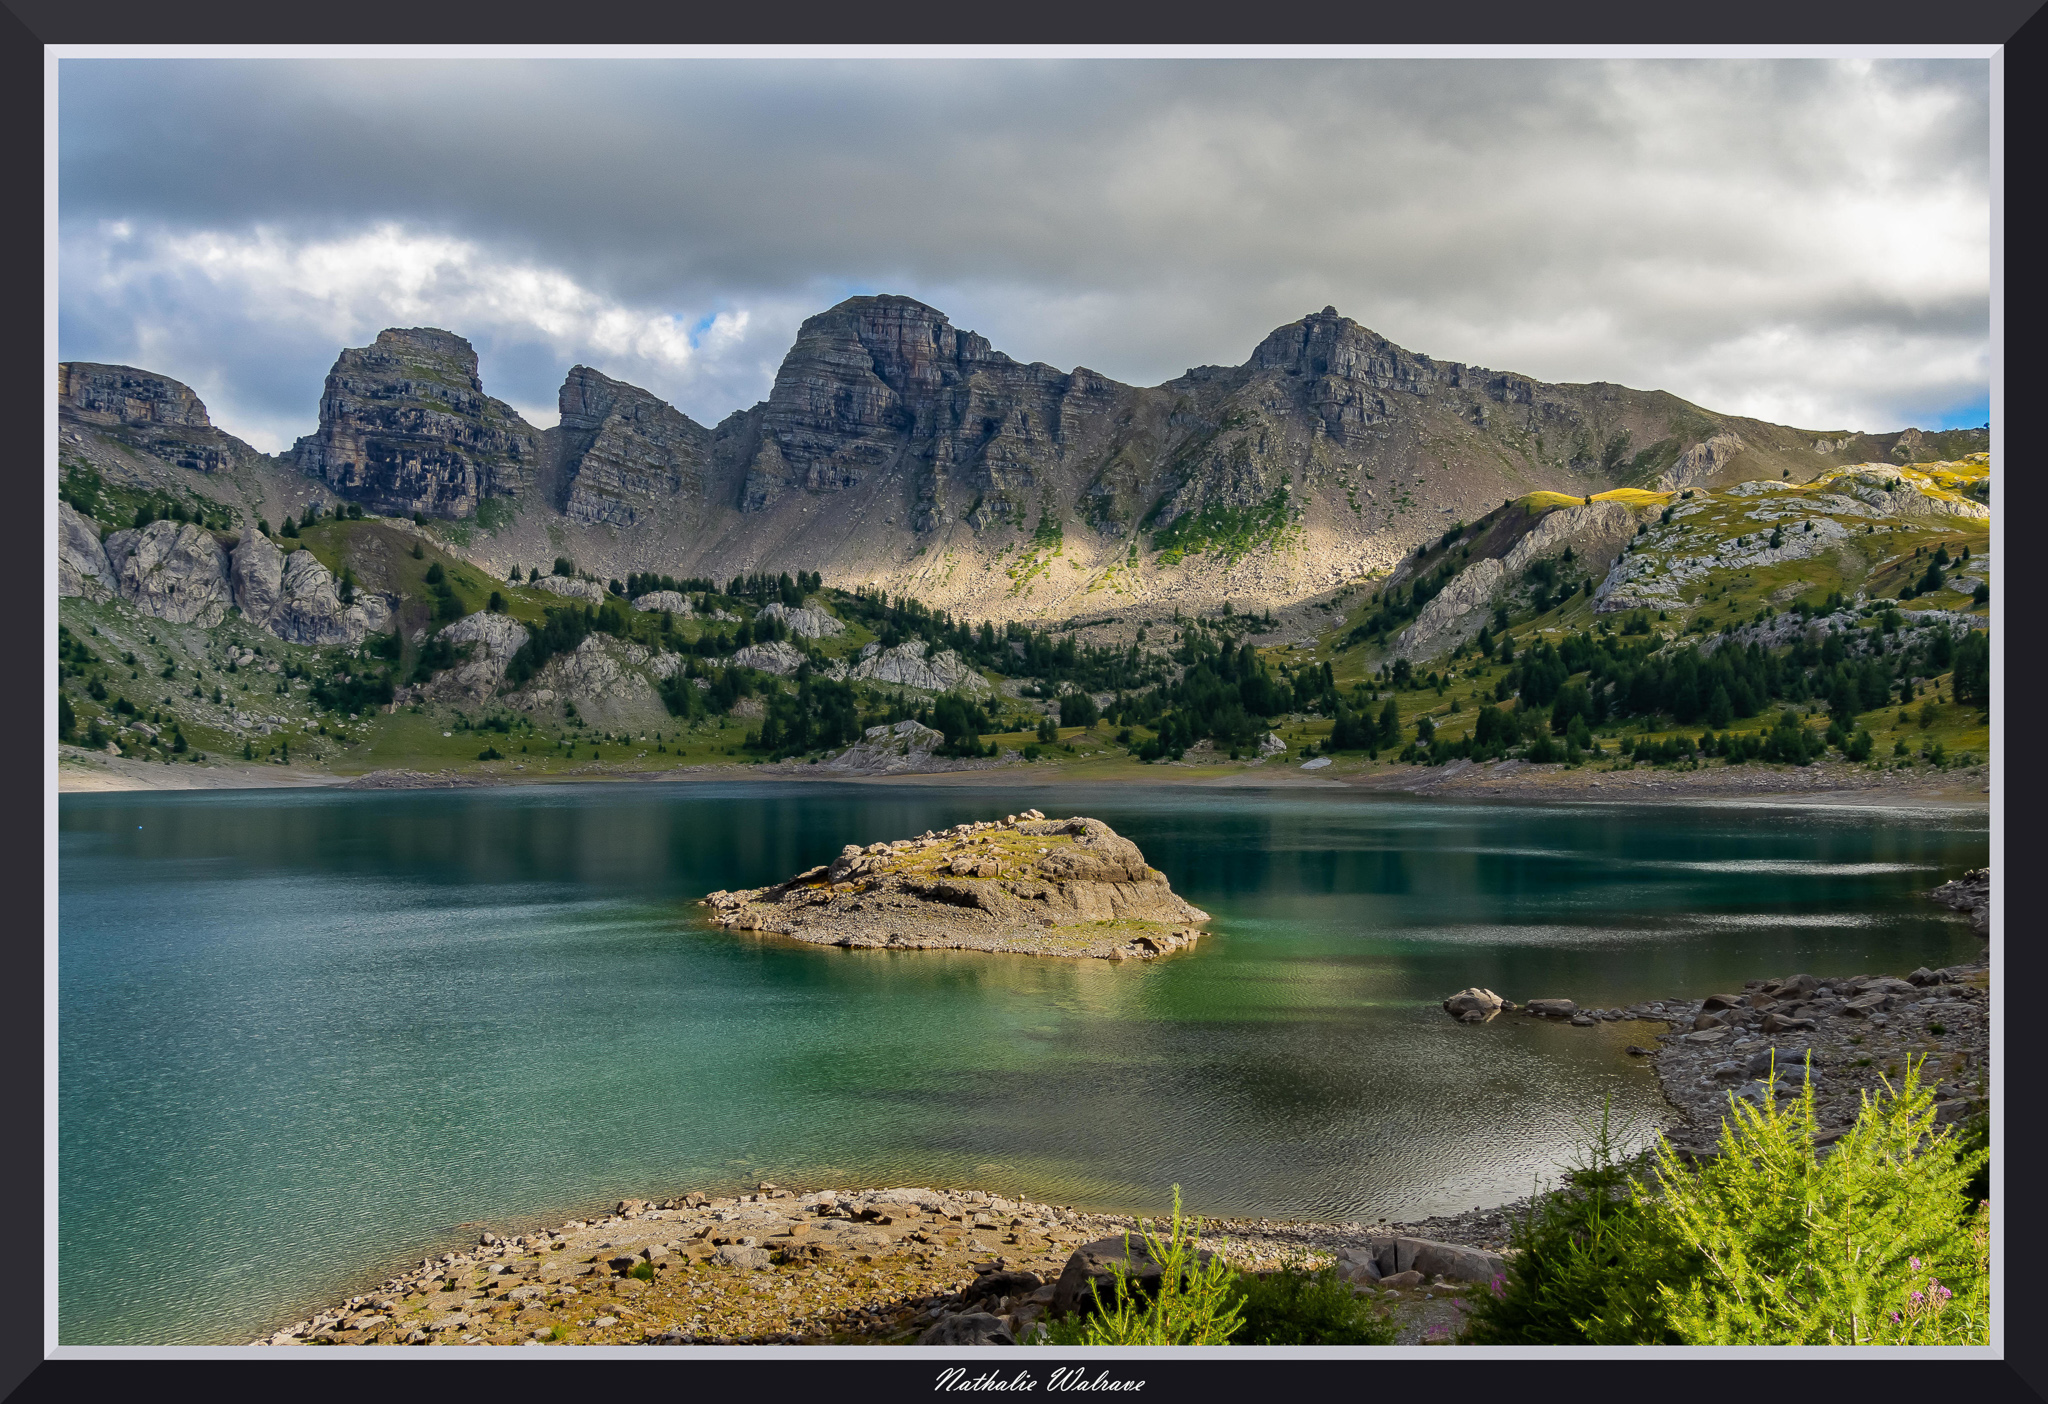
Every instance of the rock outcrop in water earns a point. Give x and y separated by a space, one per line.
1024 884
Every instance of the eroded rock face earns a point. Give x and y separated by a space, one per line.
125 395
1025 884
598 671
776 656
491 640
405 427
878 381
626 452
1454 613
588 591
82 567
907 664
172 570
311 611
674 601
151 412
1701 462
809 622
297 598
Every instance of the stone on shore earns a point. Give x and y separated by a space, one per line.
967 1328
1090 1274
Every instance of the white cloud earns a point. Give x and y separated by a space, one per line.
187 291
1788 239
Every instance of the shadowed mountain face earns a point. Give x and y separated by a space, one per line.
624 452
145 411
405 426
898 450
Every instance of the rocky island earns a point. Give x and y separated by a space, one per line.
1024 884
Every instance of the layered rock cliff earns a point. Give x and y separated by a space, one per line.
149 412
405 427
626 454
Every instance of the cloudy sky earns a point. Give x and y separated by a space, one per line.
1805 241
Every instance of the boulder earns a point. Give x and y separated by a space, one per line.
1792 987
82 567
1775 1023
1552 1008
1358 1263
1474 1005
1923 976
1090 1274
908 745
1969 893
992 1286
1272 745
966 1329
1410 1278
173 571
1721 1001
740 1256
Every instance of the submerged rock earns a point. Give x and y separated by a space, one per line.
1024 884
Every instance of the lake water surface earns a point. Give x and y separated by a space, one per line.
306 1036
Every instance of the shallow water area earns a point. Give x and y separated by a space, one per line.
306 1036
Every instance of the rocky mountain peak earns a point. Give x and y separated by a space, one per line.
124 395
425 345
405 426
625 451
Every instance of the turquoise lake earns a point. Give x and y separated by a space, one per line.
306 1037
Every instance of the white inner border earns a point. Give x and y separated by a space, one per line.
942 1358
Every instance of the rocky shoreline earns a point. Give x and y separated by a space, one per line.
868 1266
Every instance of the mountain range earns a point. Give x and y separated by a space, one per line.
896 450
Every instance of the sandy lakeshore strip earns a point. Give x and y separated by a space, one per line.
81 771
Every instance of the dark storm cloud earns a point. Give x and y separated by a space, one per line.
1802 240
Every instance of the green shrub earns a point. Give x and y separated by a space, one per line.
1195 1303
1295 1306
643 1271
1863 1247
1586 1265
